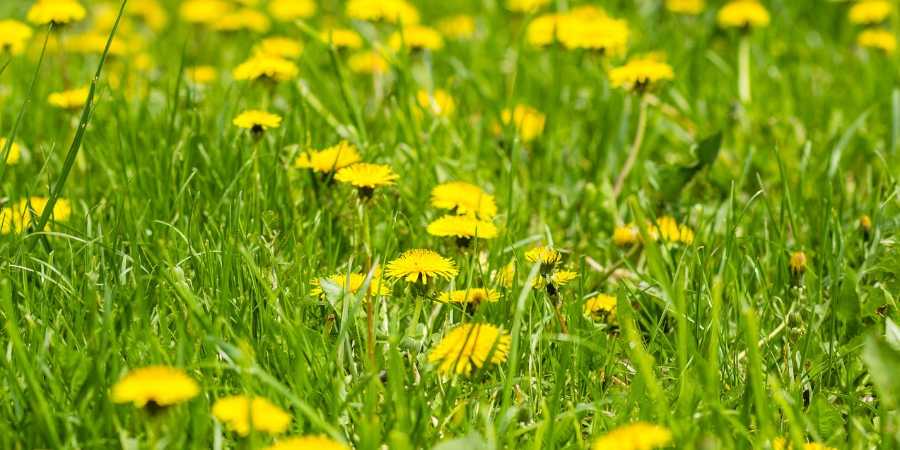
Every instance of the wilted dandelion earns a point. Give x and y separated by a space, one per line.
366 177
13 36
70 100
266 67
527 121
463 228
307 443
56 12
391 11
468 347
155 387
744 14
418 265
878 39
438 102
689 7
15 152
870 12
636 436
241 413
330 159
464 199
416 37
291 10
257 121
279 46
601 307
472 296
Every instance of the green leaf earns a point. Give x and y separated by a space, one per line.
883 362
673 179
708 149
847 308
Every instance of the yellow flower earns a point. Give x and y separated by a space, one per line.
690 7
13 36
368 62
330 159
594 32
798 262
555 280
307 443
505 276
95 43
266 67
473 296
290 10
15 152
883 40
601 306
245 19
636 436
527 121
342 38
279 46
469 346
203 12
155 386
416 37
544 30
464 198
150 12
353 281
201 74
462 227
743 14
17 217
668 229
865 222
640 74
367 177
439 102
417 265
525 6
546 256
392 11
782 444
71 99
239 413
870 12
457 27
625 235
57 12
257 121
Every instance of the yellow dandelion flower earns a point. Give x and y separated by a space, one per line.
203 12
670 231
246 19
13 36
462 227
342 38
865 222
151 12
544 30
416 37
640 74
595 32
505 276
291 10
239 413
391 11
743 14
870 12
353 281
527 121
18 217
525 6
330 159
555 280
783 444
688 7
95 43
57 12
883 40
266 67
473 296
201 74
257 121
71 99
635 436
546 256
280 46
461 26
307 443
417 265
439 102
366 177
625 235
468 347
798 262
15 152
368 62
601 307
464 198
155 386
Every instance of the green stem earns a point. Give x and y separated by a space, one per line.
635 149
744 69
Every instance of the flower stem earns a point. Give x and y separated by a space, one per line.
635 149
744 69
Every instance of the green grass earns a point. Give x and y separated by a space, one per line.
192 245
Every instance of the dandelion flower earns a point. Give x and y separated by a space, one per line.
439 102
865 222
150 12
547 257
257 121
330 159
15 152
246 19
687 7
240 413
291 10
342 38
505 276
641 74
463 228
473 296
95 43
525 6
155 386
464 198
527 121
883 40
457 27
201 74
625 235
266 67
670 231
782 444
601 307
544 30
279 46
307 443
416 37
391 11
203 12
554 280
13 36
368 62
366 177
798 262
468 347
17 217
595 32
636 436
70 100
353 281
743 14
418 265
870 12
57 12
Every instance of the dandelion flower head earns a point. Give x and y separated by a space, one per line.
878 39
71 99
330 159
462 227
870 12
687 7
418 265
464 199
57 12
15 152
266 67
468 347
240 413
601 306
527 121
641 73
13 36
472 296
416 37
743 14
290 10
391 11
257 121
636 436
155 385
307 443
366 175
438 102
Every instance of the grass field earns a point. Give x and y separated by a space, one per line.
678 230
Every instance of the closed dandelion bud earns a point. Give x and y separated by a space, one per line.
865 225
798 263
